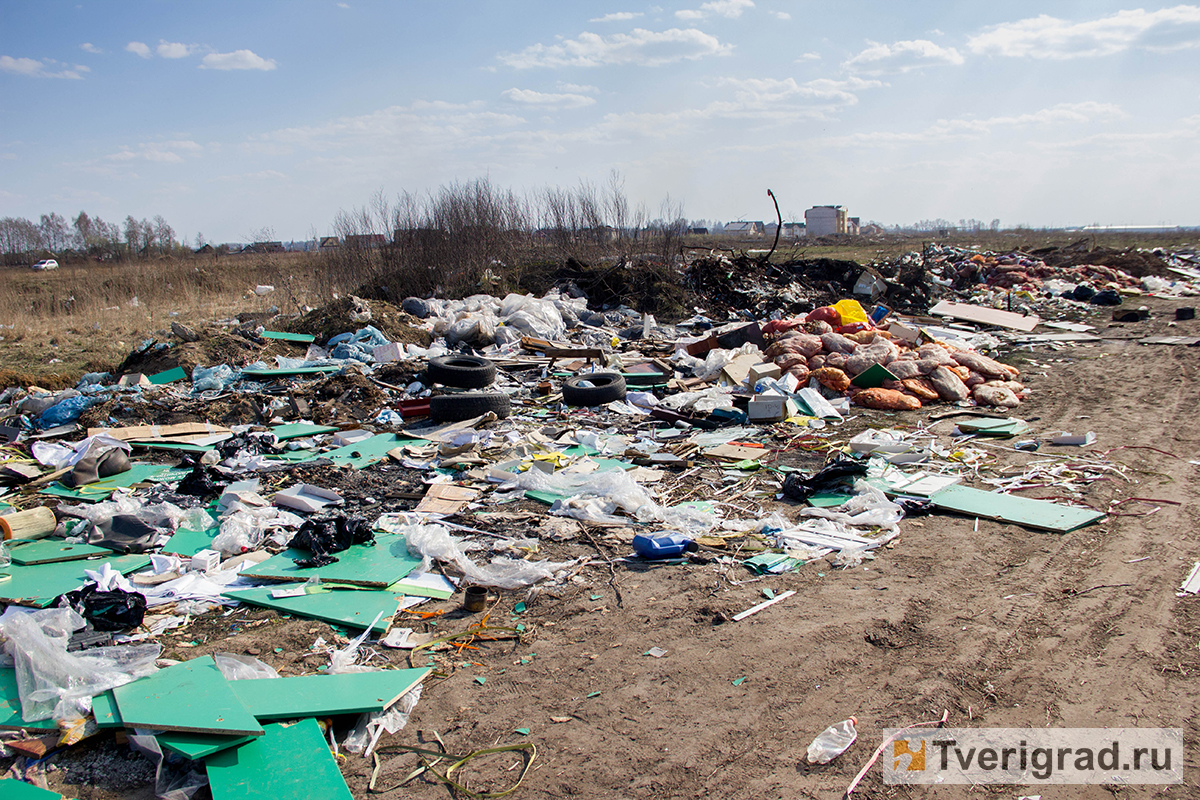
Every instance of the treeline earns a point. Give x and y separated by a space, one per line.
84 238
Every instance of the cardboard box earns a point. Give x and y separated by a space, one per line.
205 561
765 369
767 408
392 351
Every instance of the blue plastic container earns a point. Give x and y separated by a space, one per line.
665 545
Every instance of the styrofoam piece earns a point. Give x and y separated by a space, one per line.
205 561
392 351
1074 438
306 497
343 438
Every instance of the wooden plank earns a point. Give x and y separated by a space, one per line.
985 316
50 551
1031 513
192 696
10 706
39 585
326 695
377 566
349 607
288 761
161 431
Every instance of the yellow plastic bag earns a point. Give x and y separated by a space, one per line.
850 311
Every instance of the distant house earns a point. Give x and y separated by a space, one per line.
825 220
745 229
329 243
698 231
264 247
204 250
364 241
852 225
792 230
870 229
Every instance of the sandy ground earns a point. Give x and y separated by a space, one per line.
998 625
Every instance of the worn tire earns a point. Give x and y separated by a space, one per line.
466 372
606 387
468 405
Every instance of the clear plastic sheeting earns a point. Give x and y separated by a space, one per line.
246 528
55 684
434 543
366 732
605 492
236 667
869 508
214 379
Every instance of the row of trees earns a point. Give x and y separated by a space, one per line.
23 240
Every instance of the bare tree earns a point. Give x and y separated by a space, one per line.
54 232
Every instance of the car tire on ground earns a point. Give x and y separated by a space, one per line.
604 388
466 372
468 405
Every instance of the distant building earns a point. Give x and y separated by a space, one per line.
363 241
746 229
852 225
329 243
698 231
792 230
825 220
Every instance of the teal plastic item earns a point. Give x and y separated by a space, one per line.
665 545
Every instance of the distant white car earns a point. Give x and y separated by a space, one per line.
46 263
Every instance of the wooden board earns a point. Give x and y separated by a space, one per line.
1031 513
40 584
985 316
182 429
13 789
192 696
49 551
325 695
10 707
350 607
288 761
361 565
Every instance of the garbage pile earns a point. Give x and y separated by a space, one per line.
472 448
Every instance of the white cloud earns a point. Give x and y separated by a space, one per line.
639 47
139 48
530 97
238 59
755 91
175 49
902 57
343 5
809 57
618 16
964 128
722 8
1050 38
88 47
577 88
780 15
163 152
32 68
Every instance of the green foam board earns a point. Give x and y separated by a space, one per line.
873 376
298 430
377 566
355 609
369 450
199 745
101 489
168 376
288 337
325 695
192 696
10 707
49 551
13 789
158 444
287 761
1031 513
104 709
829 499
39 585
187 542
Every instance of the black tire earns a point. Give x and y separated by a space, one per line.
466 372
468 405
605 387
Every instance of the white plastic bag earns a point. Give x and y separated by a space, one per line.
434 542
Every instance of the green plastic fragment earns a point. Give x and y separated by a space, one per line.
739 681
519 607
480 680
522 731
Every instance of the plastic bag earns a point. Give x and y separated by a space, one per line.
114 610
239 668
53 683
66 411
169 783
214 379
434 542
832 742
366 732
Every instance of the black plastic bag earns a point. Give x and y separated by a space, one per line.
832 475
322 536
203 480
108 611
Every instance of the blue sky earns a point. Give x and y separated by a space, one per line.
229 117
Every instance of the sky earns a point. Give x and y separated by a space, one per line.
228 117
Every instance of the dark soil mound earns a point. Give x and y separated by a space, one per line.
1130 261
346 315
